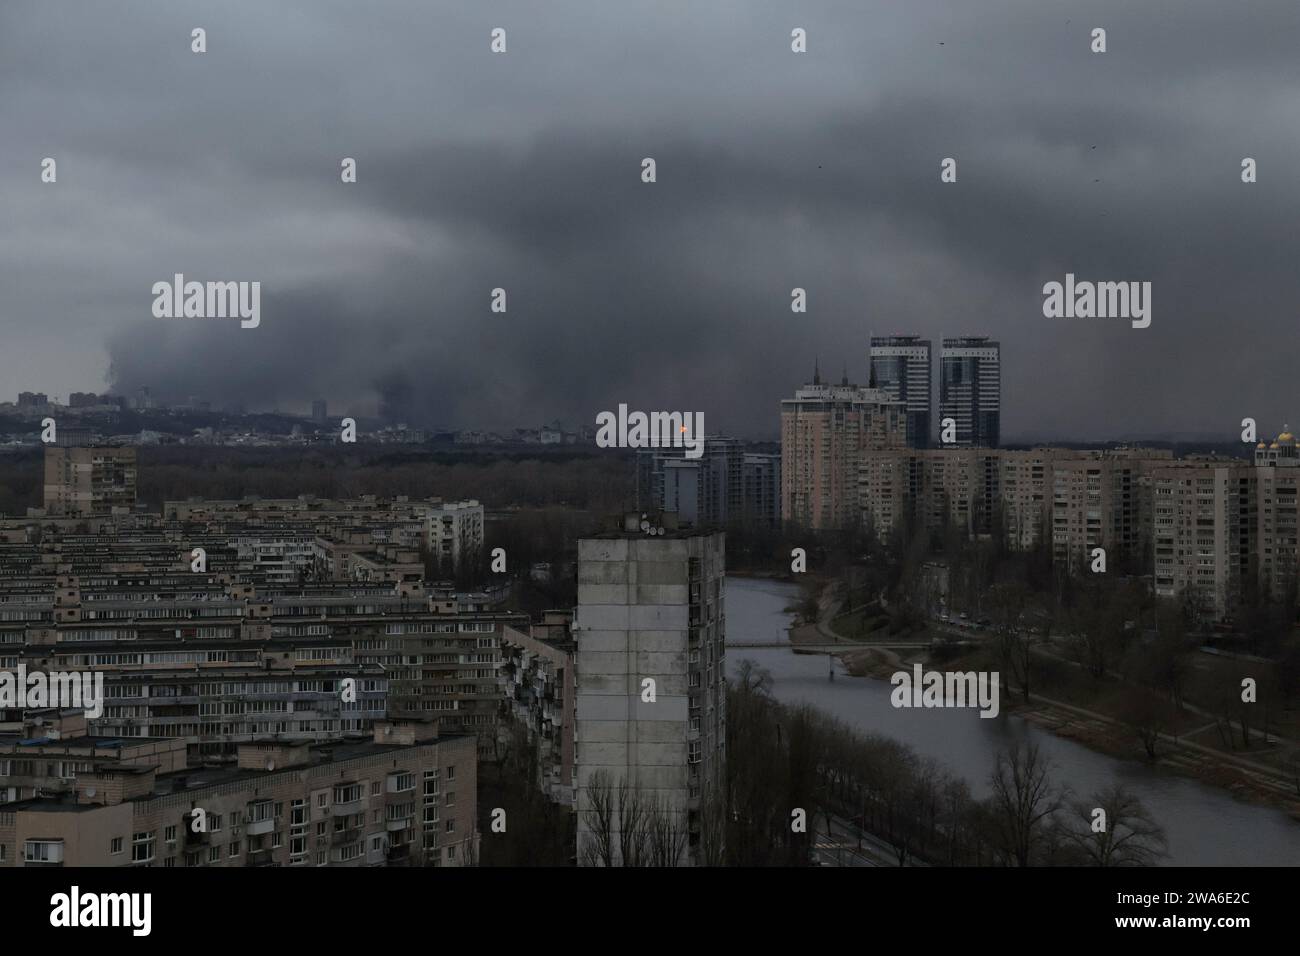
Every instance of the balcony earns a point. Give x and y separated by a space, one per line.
341 855
350 834
349 808
256 827
43 854
395 783
262 857
400 823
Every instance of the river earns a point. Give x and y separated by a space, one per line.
1204 825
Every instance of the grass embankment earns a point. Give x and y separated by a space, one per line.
1071 703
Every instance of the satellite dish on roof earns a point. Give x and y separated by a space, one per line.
38 721
270 765
90 791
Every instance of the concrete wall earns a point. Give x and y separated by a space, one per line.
634 623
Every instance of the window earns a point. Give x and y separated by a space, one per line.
169 834
375 787
322 799
214 854
234 849
115 846
451 797
348 792
43 851
451 826
451 772
142 847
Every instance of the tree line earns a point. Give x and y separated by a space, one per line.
781 758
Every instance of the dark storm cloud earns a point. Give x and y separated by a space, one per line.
775 170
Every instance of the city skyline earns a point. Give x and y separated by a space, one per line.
558 437
380 290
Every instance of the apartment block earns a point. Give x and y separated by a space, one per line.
1204 533
454 532
1083 499
540 697
89 481
708 491
935 489
826 431
762 482
650 693
1277 473
404 797
900 366
1103 500
42 752
970 390
246 648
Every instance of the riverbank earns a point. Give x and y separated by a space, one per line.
1096 726
1206 824
1245 779
784 577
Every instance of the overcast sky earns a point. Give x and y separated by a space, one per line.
775 170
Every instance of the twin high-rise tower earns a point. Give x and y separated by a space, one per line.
970 387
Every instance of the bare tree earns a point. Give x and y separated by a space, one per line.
897 793
598 849
469 851
1096 639
667 833
1024 802
1014 639
633 835
1125 836
1146 716
713 831
627 827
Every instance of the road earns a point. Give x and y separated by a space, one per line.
840 845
